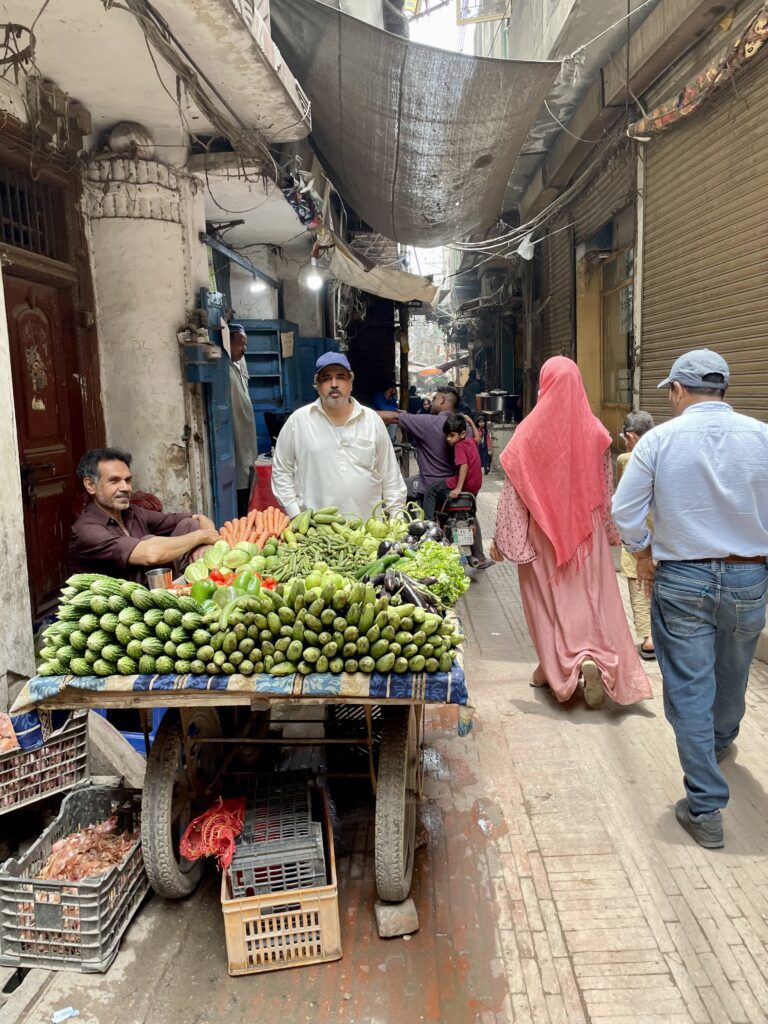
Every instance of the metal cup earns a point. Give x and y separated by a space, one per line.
159 579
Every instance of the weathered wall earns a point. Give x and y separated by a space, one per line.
16 655
249 305
148 265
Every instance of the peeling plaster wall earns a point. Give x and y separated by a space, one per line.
16 653
147 267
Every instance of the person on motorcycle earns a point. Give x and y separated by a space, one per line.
433 453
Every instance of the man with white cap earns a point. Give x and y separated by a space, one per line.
336 451
704 476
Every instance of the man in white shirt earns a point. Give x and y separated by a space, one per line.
243 422
336 452
704 476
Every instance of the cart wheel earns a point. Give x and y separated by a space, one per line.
171 787
396 793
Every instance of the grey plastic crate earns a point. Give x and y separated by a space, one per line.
60 763
280 847
71 925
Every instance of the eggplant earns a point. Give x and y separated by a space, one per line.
391 583
434 533
418 527
378 580
385 547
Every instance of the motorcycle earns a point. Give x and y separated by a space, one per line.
458 519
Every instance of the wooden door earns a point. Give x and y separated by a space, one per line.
49 422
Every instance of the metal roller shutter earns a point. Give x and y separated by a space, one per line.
610 191
557 270
705 253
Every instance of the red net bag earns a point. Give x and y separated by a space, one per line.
213 833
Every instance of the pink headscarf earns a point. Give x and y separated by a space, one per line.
555 461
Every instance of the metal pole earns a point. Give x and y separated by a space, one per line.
403 340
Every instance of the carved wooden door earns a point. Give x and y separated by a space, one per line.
49 425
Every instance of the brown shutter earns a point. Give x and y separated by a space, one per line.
609 191
557 293
705 253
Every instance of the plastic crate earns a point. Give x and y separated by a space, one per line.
71 925
284 929
60 763
280 847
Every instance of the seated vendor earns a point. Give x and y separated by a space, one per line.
112 537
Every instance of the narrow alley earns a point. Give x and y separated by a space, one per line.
552 882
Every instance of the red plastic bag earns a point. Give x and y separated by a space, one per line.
213 833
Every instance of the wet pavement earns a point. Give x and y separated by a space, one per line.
552 882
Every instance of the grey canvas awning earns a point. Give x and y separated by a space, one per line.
419 141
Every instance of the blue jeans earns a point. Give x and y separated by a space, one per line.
706 618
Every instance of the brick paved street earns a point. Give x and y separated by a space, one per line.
554 885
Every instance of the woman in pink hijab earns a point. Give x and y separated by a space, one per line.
554 521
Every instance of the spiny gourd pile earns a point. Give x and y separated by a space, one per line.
107 626
111 627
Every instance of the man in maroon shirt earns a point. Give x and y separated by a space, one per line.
115 538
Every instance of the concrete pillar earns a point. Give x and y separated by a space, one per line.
16 653
148 265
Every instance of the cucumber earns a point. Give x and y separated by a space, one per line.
172 616
353 614
197 667
432 665
294 651
153 616
182 668
403 637
129 615
349 650
152 646
351 665
146 665
274 623
88 623
400 666
336 665
351 634
367 665
373 634
104 668
97 640
111 652
311 654
191 620
406 624
363 645
79 667
322 663
246 667
316 607
164 665
388 633
366 618
126 666
386 663
328 616
219 658
416 663
245 647
445 662
287 616
169 649
236 658
139 631
162 631
330 649
286 668
205 653
116 603
282 644
189 604
312 622
179 635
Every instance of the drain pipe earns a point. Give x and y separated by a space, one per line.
637 297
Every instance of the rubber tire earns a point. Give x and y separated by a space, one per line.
396 794
168 876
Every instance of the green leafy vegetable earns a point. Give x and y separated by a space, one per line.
441 562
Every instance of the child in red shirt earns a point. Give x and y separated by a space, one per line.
467 460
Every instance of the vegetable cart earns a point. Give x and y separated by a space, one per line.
330 611
193 747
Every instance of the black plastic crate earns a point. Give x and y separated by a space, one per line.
62 925
60 763
280 847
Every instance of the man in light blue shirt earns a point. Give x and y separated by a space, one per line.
704 477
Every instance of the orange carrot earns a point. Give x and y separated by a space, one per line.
251 518
263 538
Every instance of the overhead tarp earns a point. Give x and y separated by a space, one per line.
420 142
397 285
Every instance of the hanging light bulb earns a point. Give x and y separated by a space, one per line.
314 280
257 285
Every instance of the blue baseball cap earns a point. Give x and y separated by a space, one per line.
692 368
332 359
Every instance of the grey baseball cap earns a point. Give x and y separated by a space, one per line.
691 368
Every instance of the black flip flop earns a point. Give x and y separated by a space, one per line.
646 655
